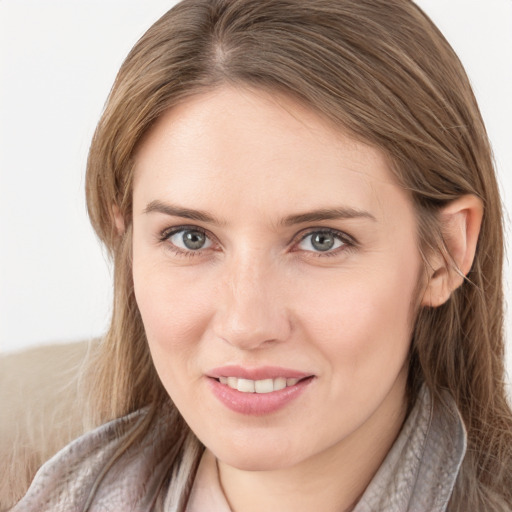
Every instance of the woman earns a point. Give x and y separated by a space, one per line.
301 206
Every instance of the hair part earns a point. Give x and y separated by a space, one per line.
382 71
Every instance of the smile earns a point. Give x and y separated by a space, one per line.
257 391
258 386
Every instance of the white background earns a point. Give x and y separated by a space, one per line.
58 59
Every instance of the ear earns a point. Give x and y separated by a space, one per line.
460 226
118 220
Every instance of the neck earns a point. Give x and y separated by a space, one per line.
331 481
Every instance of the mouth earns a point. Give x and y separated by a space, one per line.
257 391
261 386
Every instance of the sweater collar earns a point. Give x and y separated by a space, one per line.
420 470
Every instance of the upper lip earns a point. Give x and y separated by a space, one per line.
258 373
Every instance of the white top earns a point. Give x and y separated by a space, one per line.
207 492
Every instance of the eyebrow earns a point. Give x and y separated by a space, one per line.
178 211
327 214
300 218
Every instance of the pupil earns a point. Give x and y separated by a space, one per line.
322 241
193 240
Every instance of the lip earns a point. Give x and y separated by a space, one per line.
260 373
257 404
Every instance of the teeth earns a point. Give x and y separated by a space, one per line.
245 386
264 386
279 383
257 386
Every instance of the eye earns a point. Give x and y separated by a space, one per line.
322 241
189 239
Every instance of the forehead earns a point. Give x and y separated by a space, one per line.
258 150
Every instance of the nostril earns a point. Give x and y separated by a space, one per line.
251 328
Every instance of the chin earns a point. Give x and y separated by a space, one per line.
257 463
258 458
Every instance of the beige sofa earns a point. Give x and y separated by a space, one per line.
41 410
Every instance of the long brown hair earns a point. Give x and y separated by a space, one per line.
381 70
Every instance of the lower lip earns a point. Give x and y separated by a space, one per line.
257 404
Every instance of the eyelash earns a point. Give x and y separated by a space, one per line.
167 233
347 241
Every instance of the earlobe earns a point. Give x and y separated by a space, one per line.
460 223
118 220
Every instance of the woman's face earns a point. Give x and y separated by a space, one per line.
275 264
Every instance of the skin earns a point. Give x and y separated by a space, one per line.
259 293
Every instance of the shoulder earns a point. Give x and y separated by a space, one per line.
42 410
420 471
68 479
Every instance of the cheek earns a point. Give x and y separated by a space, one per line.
173 318
363 320
173 312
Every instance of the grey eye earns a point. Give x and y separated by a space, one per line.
320 241
190 240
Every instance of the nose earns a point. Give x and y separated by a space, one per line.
252 310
